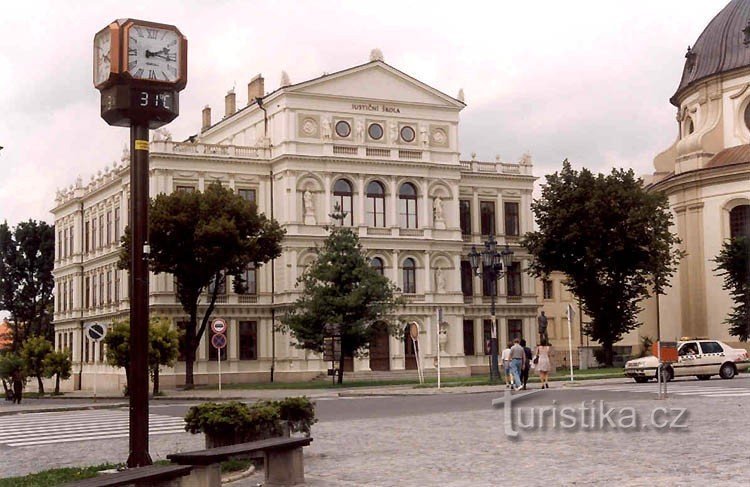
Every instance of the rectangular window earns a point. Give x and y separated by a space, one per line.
109 286
464 210
117 286
489 286
59 244
109 228
101 230
248 340
86 236
70 293
117 225
71 250
101 288
212 351
65 242
468 337
547 289
93 233
86 350
249 280
87 292
181 342
93 290
513 279
247 194
467 278
185 189
486 335
515 330
222 285
407 210
512 225
487 213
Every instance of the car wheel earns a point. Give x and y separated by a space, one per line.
640 380
703 377
667 374
727 371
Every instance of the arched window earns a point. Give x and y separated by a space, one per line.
342 194
407 206
410 276
377 264
375 204
739 221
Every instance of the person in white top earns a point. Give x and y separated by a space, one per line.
506 367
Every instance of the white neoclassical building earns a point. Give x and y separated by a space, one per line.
373 139
706 175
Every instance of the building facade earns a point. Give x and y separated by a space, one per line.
382 145
705 174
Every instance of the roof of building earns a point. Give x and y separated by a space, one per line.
723 46
733 155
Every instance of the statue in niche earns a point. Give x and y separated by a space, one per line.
360 132
393 128
440 280
424 136
325 126
438 212
309 207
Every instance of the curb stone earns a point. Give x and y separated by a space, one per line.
53 409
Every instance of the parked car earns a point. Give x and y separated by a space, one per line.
701 358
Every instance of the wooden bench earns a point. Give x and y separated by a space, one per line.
282 458
153 475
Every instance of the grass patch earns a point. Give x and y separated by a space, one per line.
235 465
55 476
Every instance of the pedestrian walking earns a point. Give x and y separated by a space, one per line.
506 366
527 363
517 360
543 363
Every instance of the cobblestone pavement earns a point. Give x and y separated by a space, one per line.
459 449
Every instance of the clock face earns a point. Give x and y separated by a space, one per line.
153 54
102 56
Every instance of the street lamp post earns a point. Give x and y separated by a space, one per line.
494 266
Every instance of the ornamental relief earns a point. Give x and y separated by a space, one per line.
308 126
439 135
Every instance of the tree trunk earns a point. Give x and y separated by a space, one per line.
41 384
156 381
608 354
190 348
57 384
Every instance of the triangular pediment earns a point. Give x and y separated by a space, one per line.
376 80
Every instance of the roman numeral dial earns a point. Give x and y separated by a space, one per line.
153 53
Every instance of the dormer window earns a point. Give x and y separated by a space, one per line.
689 127
690 59
747 116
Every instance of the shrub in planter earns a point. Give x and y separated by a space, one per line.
298 413
232 422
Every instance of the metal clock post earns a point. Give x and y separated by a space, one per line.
139 68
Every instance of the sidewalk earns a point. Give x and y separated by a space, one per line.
82 400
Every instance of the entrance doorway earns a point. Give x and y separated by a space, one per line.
380 348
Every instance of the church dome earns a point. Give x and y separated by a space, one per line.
723 46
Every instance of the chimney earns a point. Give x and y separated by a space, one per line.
255 89
206 118
230 104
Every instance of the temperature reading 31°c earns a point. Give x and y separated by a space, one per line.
155 100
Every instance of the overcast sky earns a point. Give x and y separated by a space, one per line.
589 81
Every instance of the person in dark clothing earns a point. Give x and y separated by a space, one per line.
527 364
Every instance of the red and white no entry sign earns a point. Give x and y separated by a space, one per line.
219 341
219 325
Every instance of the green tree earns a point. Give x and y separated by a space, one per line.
27 255
734 262
58 364
34 353
611 238
163 347
341 291
200 238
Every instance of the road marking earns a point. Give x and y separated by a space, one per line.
51 428
674 389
